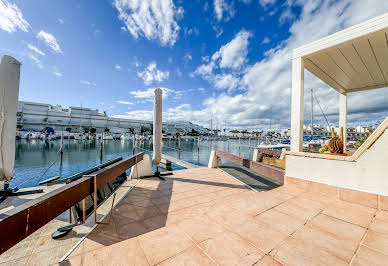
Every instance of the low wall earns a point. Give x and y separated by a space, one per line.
369 173
269 171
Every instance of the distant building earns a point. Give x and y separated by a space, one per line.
319 131
38 116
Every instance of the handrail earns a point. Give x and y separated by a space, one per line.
23 220
365 146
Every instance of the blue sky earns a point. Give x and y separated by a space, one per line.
226 60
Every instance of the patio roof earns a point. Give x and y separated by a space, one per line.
351 60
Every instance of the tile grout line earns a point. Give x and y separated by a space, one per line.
363 238
94 226
142 249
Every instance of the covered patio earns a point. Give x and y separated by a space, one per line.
349 61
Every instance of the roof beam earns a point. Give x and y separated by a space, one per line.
367 88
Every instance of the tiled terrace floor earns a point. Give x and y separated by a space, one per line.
204 217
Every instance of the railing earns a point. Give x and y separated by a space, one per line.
364 147
20 222
266 170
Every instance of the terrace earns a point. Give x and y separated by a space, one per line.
203 216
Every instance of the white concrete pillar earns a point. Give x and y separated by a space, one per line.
297 104
343 111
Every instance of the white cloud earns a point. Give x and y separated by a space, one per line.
231 57
201 89
50 41
187 57
36 61
223 6
35 49
265 3
266 40
148 94
11 18
266 84
151 74
153 19
226 81
125 102
118 67
88 83
58 74
233 54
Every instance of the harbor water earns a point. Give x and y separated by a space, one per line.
37 160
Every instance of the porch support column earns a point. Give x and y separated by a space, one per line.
343 111
297 104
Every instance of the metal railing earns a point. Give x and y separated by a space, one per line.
21 221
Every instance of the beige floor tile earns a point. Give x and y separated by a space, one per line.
132 230
260 234
155 222
331 243
268 261
367 256
299 211
230 249
294 252
127 252
336 227
147 212
192 256
163 243
380 223
377 240
280 221
201 228
353 213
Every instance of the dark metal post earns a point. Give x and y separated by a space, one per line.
101 146
179 147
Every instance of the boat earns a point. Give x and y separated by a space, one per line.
107 136
33 135
79 136
125 136
139 137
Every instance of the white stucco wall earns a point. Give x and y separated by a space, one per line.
369 173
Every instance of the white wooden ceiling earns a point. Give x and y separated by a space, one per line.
351 60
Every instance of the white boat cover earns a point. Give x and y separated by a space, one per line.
157 132
9 92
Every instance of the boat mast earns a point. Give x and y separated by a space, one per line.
312 113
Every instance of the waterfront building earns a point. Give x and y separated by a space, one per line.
38 116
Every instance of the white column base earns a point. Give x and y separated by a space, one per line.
142 168
214 160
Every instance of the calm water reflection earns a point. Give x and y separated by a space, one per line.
37 160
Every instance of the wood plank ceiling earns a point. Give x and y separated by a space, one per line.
356 65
